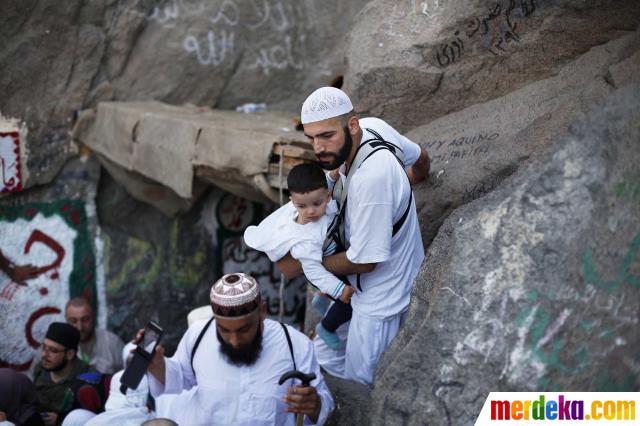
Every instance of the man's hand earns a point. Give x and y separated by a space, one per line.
303 400
347 292
50 418
289 267
157 365
20 273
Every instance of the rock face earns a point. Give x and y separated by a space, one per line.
60 58
546 270
54 228
412 62
474 149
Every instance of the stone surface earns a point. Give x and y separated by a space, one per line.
474 149
56 229
57 58
414 61
544 270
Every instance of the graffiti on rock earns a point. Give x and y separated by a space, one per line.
495 31
54 237
221 32
234 214
10 176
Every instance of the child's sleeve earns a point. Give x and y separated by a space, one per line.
310 257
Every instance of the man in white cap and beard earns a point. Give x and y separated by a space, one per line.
236 360
381 244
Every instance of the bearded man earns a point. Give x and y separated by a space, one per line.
62 381
379 232
235 361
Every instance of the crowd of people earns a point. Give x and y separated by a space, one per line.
351 228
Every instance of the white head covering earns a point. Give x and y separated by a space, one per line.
203 312
234 295
324 103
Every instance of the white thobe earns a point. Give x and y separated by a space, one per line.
379 193
279 233
239 395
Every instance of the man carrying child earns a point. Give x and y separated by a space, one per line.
380 226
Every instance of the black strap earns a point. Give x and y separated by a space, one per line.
286 333
195 347
399 223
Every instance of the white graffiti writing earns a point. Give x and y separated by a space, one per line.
215 49
277 57
9 162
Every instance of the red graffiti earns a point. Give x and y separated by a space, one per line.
9 290
28 329
41 237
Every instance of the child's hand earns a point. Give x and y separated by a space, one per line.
347 292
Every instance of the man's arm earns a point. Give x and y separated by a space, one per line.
339 264
420 169
289 267
18 273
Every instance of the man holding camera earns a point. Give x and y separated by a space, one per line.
236 360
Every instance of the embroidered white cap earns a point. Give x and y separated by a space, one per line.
234 290
324 103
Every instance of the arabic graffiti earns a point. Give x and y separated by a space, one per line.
496 30
55 237
10 174
234 214
223 32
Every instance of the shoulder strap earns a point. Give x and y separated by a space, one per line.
286 333
195 346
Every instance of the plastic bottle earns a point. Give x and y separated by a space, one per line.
251 108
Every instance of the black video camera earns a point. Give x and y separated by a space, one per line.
142 356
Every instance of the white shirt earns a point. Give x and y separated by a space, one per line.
279 233
378 195
107 352
233 395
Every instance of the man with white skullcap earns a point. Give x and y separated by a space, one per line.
236 360
382 247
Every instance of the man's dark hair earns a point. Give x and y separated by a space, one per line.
305 178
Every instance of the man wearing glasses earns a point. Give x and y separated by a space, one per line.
64 382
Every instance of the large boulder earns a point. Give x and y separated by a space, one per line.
474 149
58 58
533 287
54 228
412 62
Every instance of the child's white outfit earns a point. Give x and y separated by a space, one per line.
279 233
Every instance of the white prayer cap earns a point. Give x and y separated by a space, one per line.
324 103
203 312
235 295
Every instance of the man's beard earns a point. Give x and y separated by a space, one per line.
342 155
57 368
246 354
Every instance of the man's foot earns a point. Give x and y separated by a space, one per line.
330 338
320 303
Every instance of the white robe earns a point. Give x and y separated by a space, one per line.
279 233
232 395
